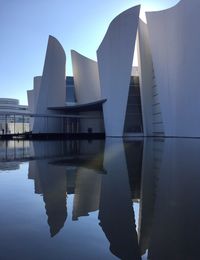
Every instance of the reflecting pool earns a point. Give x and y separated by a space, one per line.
112 199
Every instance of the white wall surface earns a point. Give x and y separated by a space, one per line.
52 89
151 112
30 95
86 78
33 98
115 59
36 85
146 77
175 43
31 105
33 94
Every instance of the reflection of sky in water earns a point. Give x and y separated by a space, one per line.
136 208
145 257
95 196
25 228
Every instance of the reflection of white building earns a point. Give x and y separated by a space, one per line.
107 96
14 117
87 192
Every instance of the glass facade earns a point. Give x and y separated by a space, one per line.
70 90
13 124
133 119
13 118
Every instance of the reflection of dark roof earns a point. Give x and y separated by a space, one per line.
89 163
70 80
92 106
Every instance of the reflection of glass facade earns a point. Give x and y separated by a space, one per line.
11 151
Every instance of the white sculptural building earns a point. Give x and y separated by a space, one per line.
162 99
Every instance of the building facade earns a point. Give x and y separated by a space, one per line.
161 99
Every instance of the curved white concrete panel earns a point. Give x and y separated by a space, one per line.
36 85
52 90
146 77
115 58
175 44
86 78
31 106
30 97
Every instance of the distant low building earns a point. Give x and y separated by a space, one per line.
14 118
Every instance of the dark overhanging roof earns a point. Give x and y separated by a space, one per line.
92 106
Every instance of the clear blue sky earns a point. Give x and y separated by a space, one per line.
77 24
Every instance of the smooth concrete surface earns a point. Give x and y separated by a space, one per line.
146 77
52 90
175 43
86 78
115 59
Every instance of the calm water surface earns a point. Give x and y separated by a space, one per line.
112 199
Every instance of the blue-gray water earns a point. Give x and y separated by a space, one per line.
100 200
